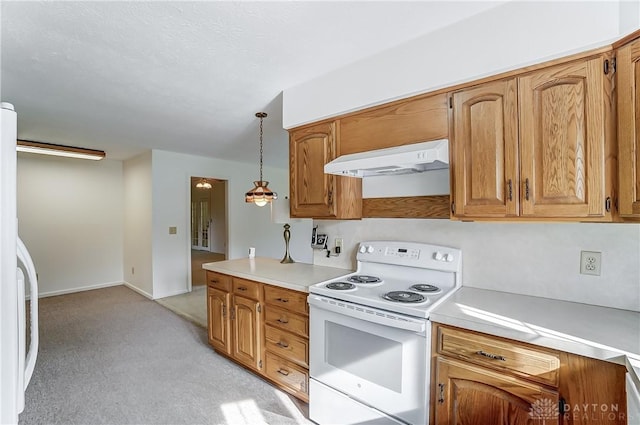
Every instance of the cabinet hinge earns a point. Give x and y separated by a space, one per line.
607 204
453 208
260 364
259 308
450 102
613 64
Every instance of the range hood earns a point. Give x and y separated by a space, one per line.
407 159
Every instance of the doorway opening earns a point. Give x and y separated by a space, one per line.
208 225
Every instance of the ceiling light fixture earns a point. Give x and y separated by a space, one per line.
260 194
59 150
203 184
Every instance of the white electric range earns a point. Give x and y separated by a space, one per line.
370 336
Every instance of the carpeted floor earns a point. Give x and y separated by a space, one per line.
111 356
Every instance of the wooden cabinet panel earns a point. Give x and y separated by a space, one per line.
470 395
315 194
287 321
291 376
219 281
401 123
562 136
484 146
535 364
285 298
219 329
246 332
628 91
287 345
246 288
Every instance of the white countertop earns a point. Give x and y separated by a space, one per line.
591 331
296 276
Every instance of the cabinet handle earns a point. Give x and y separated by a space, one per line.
561 404
526 189
282 344
242 288
441 396
282 300
510 186
491 356
283 372
285 321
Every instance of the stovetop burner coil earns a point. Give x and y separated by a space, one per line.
340 286
404 297
364 279
425 287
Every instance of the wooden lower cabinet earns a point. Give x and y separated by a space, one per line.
480 379
262 327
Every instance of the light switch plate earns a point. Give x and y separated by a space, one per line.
173 230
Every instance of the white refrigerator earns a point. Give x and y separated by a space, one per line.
16 269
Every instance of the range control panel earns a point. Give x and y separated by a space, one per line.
413 254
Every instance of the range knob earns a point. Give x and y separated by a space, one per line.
362 249
448 258
438 256
369 249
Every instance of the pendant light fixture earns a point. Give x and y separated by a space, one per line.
260 195
203 184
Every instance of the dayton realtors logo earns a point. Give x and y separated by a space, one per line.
546 409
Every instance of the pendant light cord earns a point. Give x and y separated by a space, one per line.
261 147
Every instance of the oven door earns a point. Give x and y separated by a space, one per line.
375 357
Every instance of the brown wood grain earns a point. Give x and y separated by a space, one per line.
218 323
246 325
407 207
628 98
414 120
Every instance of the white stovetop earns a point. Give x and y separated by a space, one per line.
296 276
592 331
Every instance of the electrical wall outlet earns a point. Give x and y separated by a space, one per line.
338 245
590 262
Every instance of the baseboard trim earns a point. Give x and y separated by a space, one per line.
74 290
138 290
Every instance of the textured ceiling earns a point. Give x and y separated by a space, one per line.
187 77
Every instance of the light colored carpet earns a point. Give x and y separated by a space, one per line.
192 305
111 356
198 258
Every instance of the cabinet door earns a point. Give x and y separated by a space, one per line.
484 143
246 332
315 194
471 395
218 310
628 89
562 140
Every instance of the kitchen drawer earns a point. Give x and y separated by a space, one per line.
287 345
520 359
219 281
283 319
287 374
246 288
285 298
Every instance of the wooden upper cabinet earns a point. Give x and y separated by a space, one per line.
484 150
628 90
400 123
562 139
315 194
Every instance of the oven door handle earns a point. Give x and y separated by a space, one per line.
380 317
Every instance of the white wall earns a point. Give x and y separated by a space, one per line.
540 259
248 225
137 261
70 216
503 38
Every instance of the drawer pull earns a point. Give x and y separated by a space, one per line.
491 356
283 372
242 288
282 344
284 321
282 300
